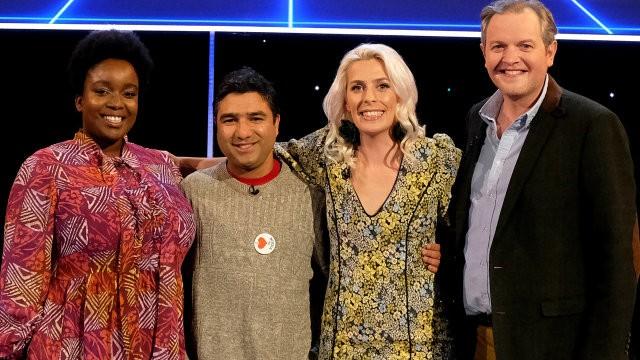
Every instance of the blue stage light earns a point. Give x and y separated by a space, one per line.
414 18
61 11
210 114
589 14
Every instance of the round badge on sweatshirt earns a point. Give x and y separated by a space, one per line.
264 243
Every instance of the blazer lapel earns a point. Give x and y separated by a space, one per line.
541 127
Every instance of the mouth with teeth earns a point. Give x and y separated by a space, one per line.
508 72
243 147
113 120
371 115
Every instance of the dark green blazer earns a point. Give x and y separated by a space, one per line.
561 276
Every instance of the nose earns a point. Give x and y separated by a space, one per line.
115 101
369 94
511 55
243 129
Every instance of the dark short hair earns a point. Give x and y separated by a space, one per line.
108 44
247 80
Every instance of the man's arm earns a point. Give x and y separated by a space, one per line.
320 264
187 165
609 191
431 257
635 244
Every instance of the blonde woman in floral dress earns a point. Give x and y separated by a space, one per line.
387 186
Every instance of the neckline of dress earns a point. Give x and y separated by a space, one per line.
386 199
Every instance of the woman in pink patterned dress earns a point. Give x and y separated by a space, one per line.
97 228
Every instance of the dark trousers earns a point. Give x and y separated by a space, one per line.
634 348
467 332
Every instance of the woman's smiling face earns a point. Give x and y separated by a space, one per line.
109 103
370 98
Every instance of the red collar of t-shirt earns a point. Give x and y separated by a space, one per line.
261 180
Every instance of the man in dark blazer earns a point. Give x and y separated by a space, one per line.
544 206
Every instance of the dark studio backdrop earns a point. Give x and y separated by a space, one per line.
37 106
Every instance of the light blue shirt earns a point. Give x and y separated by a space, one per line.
489 184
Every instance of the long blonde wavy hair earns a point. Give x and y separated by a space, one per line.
403 84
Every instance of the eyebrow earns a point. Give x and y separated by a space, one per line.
374 80
228 115
518 42
107 82
235 114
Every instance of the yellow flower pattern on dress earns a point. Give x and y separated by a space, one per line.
381 302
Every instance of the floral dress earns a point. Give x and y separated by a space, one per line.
92 255
381 302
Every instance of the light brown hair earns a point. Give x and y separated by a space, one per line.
548 24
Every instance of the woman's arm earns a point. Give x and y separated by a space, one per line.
305 156
447 162
26 263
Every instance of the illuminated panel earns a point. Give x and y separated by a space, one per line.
412 14
238 12
29 11
574 17
571 18
191 12
621 16
455 15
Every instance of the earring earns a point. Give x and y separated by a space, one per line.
349 133
398 132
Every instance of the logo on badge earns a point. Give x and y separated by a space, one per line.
264 244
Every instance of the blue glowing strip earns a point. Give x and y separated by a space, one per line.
208 28
602 37
210 131
43 19
15 22
64 8
589 14
236 29
177 21
296 30
625 28
329 23
593 28
290 13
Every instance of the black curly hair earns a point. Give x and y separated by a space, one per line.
247 80
109 44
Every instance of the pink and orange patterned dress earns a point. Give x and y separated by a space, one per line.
92 254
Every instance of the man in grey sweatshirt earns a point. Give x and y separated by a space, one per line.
259 230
